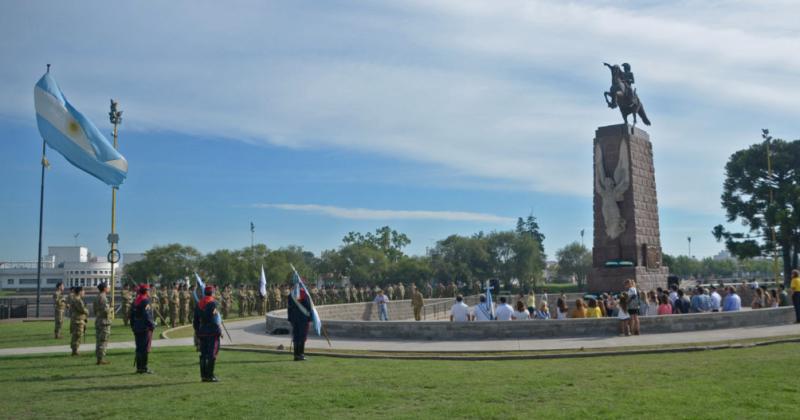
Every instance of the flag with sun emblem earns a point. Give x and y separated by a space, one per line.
70 133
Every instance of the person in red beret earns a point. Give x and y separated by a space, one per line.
207 327
142 324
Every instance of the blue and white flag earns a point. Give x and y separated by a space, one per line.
70 133
201 285
489 300
298 284
262 283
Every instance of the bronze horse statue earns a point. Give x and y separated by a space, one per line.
623 95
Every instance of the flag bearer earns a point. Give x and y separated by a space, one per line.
299 312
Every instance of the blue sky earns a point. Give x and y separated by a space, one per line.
313 119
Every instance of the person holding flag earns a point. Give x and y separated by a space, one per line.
207 328
301 312
262 293
484 310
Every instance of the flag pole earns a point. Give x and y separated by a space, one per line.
45 164
115 117
41 219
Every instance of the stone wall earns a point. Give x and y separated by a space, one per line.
442 330
366 311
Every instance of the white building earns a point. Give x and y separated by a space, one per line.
72 265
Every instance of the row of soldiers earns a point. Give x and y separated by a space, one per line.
176 304
79 316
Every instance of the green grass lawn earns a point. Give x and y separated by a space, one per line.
40 333
747 383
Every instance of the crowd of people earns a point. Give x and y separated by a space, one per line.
632 303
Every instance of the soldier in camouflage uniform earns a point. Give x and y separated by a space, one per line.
451 290
417 302
125 308
183 301
285 294
77 325
251 301
401 291
225 303
390 291
162 309
59 304
174 303
102 324
241 299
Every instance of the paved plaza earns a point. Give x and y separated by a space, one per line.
251 332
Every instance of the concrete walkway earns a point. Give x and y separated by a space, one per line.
251 332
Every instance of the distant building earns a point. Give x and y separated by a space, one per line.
723 256
72 265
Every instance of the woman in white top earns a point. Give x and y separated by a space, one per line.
521 313
650 304
561 308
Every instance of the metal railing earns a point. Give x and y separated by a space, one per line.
441 310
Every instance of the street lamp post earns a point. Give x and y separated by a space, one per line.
689 239
115 117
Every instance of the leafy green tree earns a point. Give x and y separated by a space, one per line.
763 203
461 259
164 264
529 261
530 226
574 259
415 270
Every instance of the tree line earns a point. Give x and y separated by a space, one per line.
514 257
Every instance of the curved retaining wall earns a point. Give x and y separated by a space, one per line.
443 330
367 311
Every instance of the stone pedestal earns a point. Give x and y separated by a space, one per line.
636 251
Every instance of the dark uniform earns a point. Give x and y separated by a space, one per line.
207 328
299 312
142 324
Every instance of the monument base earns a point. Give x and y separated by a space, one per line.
611 279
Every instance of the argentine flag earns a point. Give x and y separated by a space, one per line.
298 284
70 133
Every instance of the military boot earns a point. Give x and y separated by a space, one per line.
210 370
142 368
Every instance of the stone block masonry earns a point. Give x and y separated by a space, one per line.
640 242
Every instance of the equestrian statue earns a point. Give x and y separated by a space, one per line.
622 94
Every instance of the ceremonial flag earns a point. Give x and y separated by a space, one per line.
298 284
262 283
489 300
199 284
70 133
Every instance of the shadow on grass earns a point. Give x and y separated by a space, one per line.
125 386
63 378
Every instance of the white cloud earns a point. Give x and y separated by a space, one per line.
373 214
504 91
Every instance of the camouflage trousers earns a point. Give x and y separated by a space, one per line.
126 313
173 316
59 318
182 315
76 330
101 333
